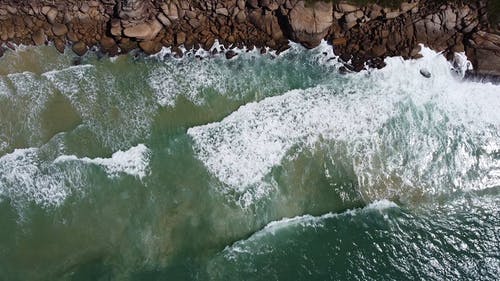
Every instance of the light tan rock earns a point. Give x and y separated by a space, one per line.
311 24
163 19
346 8
143 31
116 28
52 15
406 7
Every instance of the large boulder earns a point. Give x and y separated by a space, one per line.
484 51
310 24
144 31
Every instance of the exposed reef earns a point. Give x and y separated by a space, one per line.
361 35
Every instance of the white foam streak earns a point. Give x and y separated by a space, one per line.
134 161
303 222
25 176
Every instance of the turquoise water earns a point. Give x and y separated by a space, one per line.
262 167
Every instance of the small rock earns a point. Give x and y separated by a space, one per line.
60 45
38 38
346 8
222 11
339 41
59 29
230 54
180 38
85 7
52 15
107 42
79 48
424 72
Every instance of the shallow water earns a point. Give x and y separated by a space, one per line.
262 167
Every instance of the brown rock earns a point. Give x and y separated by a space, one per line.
127 45
241 17
79 48
310 24
164 20
346 8
59 29
73 37
180 38
150 47
339 41
378 50
52 15
107 42
241 4
143 31
116 27
38 37
222 11
60 45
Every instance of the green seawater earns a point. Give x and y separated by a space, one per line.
261 167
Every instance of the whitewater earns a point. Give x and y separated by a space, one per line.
260 167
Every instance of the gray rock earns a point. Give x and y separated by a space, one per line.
424 72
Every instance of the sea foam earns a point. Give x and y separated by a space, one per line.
134 161
26 176
243 148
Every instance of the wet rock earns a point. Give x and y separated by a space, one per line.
150 47
107 42
424 72
230 54
79 48
38 37
60 45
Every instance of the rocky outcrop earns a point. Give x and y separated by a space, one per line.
484 49
309 25
360 35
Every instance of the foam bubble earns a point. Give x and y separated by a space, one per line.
134 161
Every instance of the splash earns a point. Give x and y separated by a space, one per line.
381 116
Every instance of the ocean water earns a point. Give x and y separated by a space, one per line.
262 167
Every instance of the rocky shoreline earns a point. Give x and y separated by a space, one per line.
361 36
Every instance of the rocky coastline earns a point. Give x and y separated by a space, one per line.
361 35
